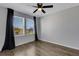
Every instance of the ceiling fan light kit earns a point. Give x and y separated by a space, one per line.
40 7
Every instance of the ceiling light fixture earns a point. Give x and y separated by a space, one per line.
39 9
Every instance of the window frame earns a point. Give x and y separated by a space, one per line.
24 24
32 24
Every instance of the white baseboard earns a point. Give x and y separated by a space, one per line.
61 44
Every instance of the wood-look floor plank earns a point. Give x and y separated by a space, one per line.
40 48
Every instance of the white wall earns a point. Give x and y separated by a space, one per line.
3 17
62 28
19 40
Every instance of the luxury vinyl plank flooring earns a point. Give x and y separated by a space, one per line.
40 48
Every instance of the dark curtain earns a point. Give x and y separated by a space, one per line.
35 26
9 36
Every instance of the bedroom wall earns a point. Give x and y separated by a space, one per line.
62 28
3 17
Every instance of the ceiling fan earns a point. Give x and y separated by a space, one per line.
40 7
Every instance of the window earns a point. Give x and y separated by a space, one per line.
23 26
18 24
29 26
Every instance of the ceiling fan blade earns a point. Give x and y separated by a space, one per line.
48 6
43 11
35 10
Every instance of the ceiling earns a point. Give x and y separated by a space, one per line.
28 9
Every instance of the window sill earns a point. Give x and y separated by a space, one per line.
24 35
